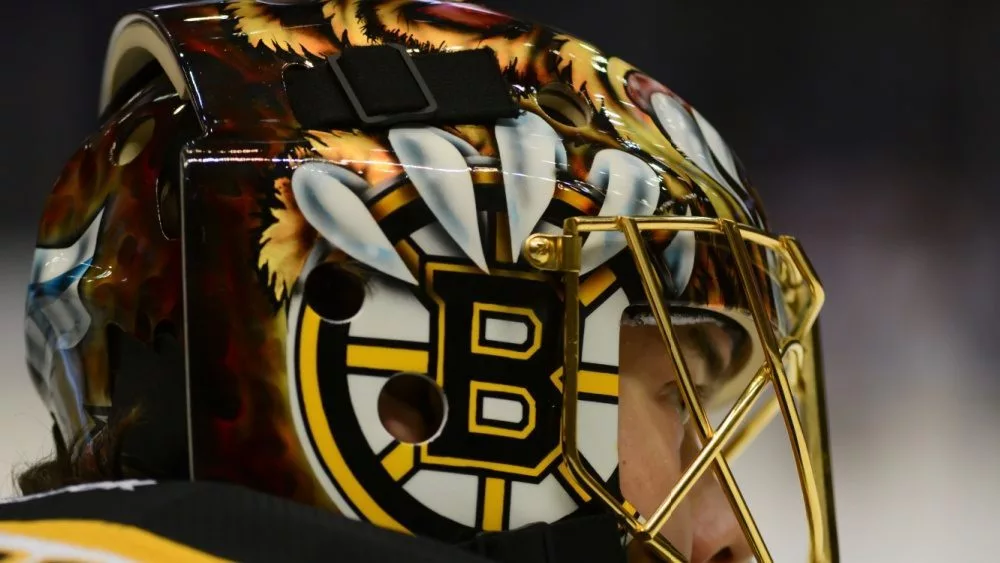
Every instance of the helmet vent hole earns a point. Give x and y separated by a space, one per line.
412 408
335 293
128 150
562 104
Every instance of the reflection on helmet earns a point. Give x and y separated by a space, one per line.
361 327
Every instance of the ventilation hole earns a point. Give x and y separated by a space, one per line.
412 408
135 142
168 209
334 293
563 105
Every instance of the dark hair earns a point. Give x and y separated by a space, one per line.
100 459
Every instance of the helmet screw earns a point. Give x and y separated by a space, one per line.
540 249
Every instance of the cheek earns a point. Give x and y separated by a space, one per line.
650 436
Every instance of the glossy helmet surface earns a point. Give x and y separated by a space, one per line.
226 255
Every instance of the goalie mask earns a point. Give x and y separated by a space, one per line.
426 265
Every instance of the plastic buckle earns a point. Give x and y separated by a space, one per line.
385 119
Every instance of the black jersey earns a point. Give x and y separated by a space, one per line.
201 522
197 523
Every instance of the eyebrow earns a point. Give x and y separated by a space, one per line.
709 352
699 336
720 371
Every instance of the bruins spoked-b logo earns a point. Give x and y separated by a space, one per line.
425 355
489 345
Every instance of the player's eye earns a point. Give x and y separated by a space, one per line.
669 395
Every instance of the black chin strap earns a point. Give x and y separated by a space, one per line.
588 538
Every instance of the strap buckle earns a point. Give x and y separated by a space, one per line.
430 104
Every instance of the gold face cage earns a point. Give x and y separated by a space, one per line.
806 424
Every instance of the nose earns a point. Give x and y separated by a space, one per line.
717 535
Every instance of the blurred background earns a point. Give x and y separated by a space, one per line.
868 127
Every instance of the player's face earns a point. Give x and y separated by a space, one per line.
656 445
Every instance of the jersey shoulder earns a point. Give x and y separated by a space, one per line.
125 521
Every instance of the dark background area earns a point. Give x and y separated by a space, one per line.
869 129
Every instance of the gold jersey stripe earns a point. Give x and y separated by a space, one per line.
95 537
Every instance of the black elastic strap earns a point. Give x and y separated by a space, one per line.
377 86
587 538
